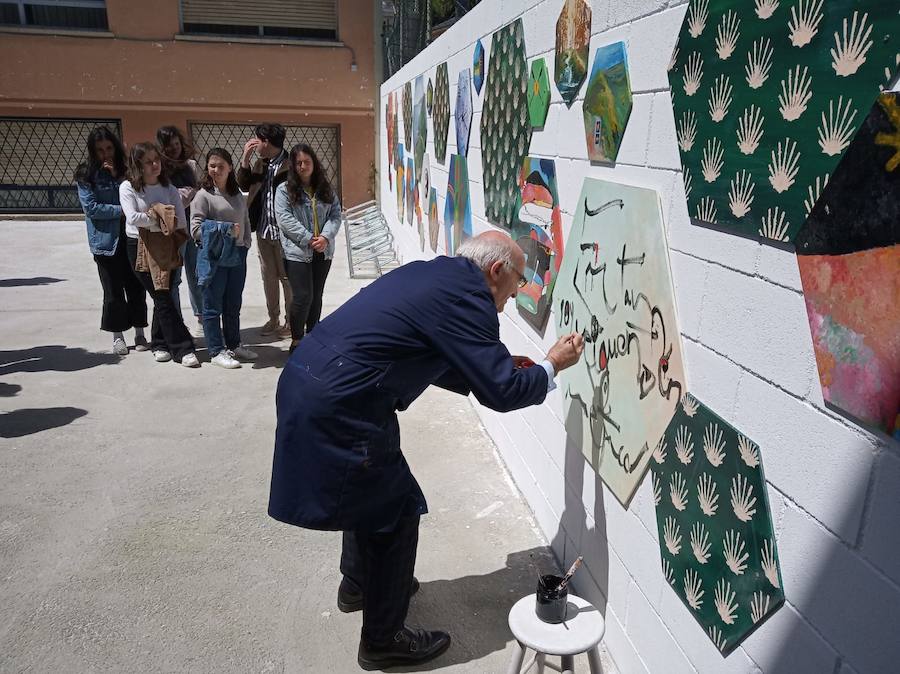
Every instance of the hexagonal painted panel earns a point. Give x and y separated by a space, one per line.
407 115
457 207
440 113
615 287
478 67
434 223
573 38
410 189
538 93
767 101
420 117
429 95
463 113
716 536
849 256
607 103
400 181
505 127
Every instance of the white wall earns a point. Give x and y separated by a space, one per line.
834 490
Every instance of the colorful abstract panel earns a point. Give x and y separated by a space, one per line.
407 116
419 220
615 287
420 118
767 101
434 224
410 189
478 67
538 93
505 128
388 114
429 95
716 536
573 37
607 103
849 256
463 113
440 115
538 232
400 182
457 209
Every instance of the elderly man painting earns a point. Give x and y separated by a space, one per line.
338 464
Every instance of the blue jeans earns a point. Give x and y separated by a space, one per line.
222 307
195 292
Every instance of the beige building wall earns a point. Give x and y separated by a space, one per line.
144 72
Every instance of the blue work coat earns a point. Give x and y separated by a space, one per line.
337 462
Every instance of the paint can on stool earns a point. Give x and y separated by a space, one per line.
551 599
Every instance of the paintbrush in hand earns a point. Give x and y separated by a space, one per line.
569 574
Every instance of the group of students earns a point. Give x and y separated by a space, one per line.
155 210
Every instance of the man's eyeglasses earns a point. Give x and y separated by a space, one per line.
522 280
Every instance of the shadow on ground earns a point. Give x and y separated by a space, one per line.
19 423
35 281
56 358
475 609
9 390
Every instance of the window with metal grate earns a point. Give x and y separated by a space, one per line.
72 14
300 19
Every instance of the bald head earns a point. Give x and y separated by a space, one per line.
490 247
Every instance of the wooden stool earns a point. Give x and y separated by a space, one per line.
580 633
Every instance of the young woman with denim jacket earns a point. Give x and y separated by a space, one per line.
147 187
219 220
309 216
124 298
185 175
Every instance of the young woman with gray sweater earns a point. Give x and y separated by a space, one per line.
220 228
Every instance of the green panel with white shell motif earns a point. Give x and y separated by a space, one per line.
440 114
505 124
716 535
767 95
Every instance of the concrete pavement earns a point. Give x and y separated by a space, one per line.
133 526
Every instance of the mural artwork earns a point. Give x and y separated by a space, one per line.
440 115
457 209
607 103
429 95
573 37
716 536
434 224
849 256
389 129
615 288
538 93
767 101
420 119
400 183
505 127
410 190
478 67
538 231
407 115
463 112
420 224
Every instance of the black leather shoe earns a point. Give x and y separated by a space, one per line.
408 647
350 597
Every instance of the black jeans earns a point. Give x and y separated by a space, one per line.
124 298
167 332
307 281
382 564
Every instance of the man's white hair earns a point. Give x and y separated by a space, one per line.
485 251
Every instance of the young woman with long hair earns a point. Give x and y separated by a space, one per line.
309 216
124 299
148 186
184 174
219 223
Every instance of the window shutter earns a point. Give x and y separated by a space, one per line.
309 14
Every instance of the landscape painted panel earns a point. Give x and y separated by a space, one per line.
457 208
573 37
607 103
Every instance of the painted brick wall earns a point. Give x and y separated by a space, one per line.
834 489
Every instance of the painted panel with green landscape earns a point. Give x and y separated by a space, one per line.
716 535
420 117
767 96
607 103
573 38
538 93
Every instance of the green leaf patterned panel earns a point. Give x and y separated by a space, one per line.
440 114
538 93
429 95
716 535
505 126
767 95
407 116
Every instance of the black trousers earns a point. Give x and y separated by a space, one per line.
124 298
307 281
381 564
168 331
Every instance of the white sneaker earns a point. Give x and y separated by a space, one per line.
120 348
162 356
224 359
197 331
190 360
244 353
